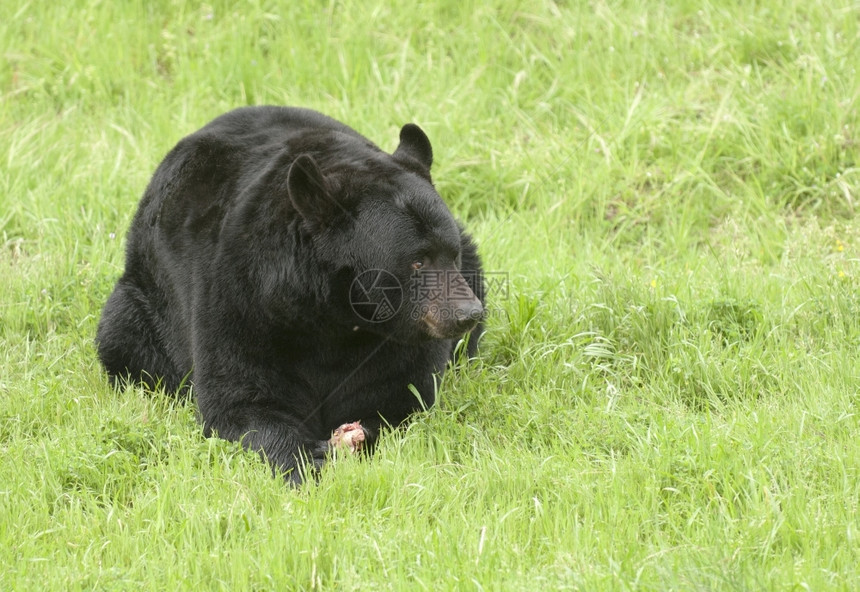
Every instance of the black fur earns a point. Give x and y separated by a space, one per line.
241 277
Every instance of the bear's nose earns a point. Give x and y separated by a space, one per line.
468 314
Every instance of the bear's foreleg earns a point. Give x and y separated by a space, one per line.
290 446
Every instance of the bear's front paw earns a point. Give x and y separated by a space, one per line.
349 436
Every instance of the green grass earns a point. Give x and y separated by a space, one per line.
667 395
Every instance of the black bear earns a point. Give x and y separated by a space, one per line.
300 278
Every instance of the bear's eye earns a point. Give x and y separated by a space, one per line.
417 265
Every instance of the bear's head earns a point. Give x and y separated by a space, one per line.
392 249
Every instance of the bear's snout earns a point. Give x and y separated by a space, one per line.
453 318
468 315
448 308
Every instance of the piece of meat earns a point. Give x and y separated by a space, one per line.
349 436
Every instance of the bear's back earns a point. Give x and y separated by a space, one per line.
198 179
270 122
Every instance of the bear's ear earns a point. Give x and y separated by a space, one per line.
415 144
308 191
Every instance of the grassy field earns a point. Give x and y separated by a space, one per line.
667 395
